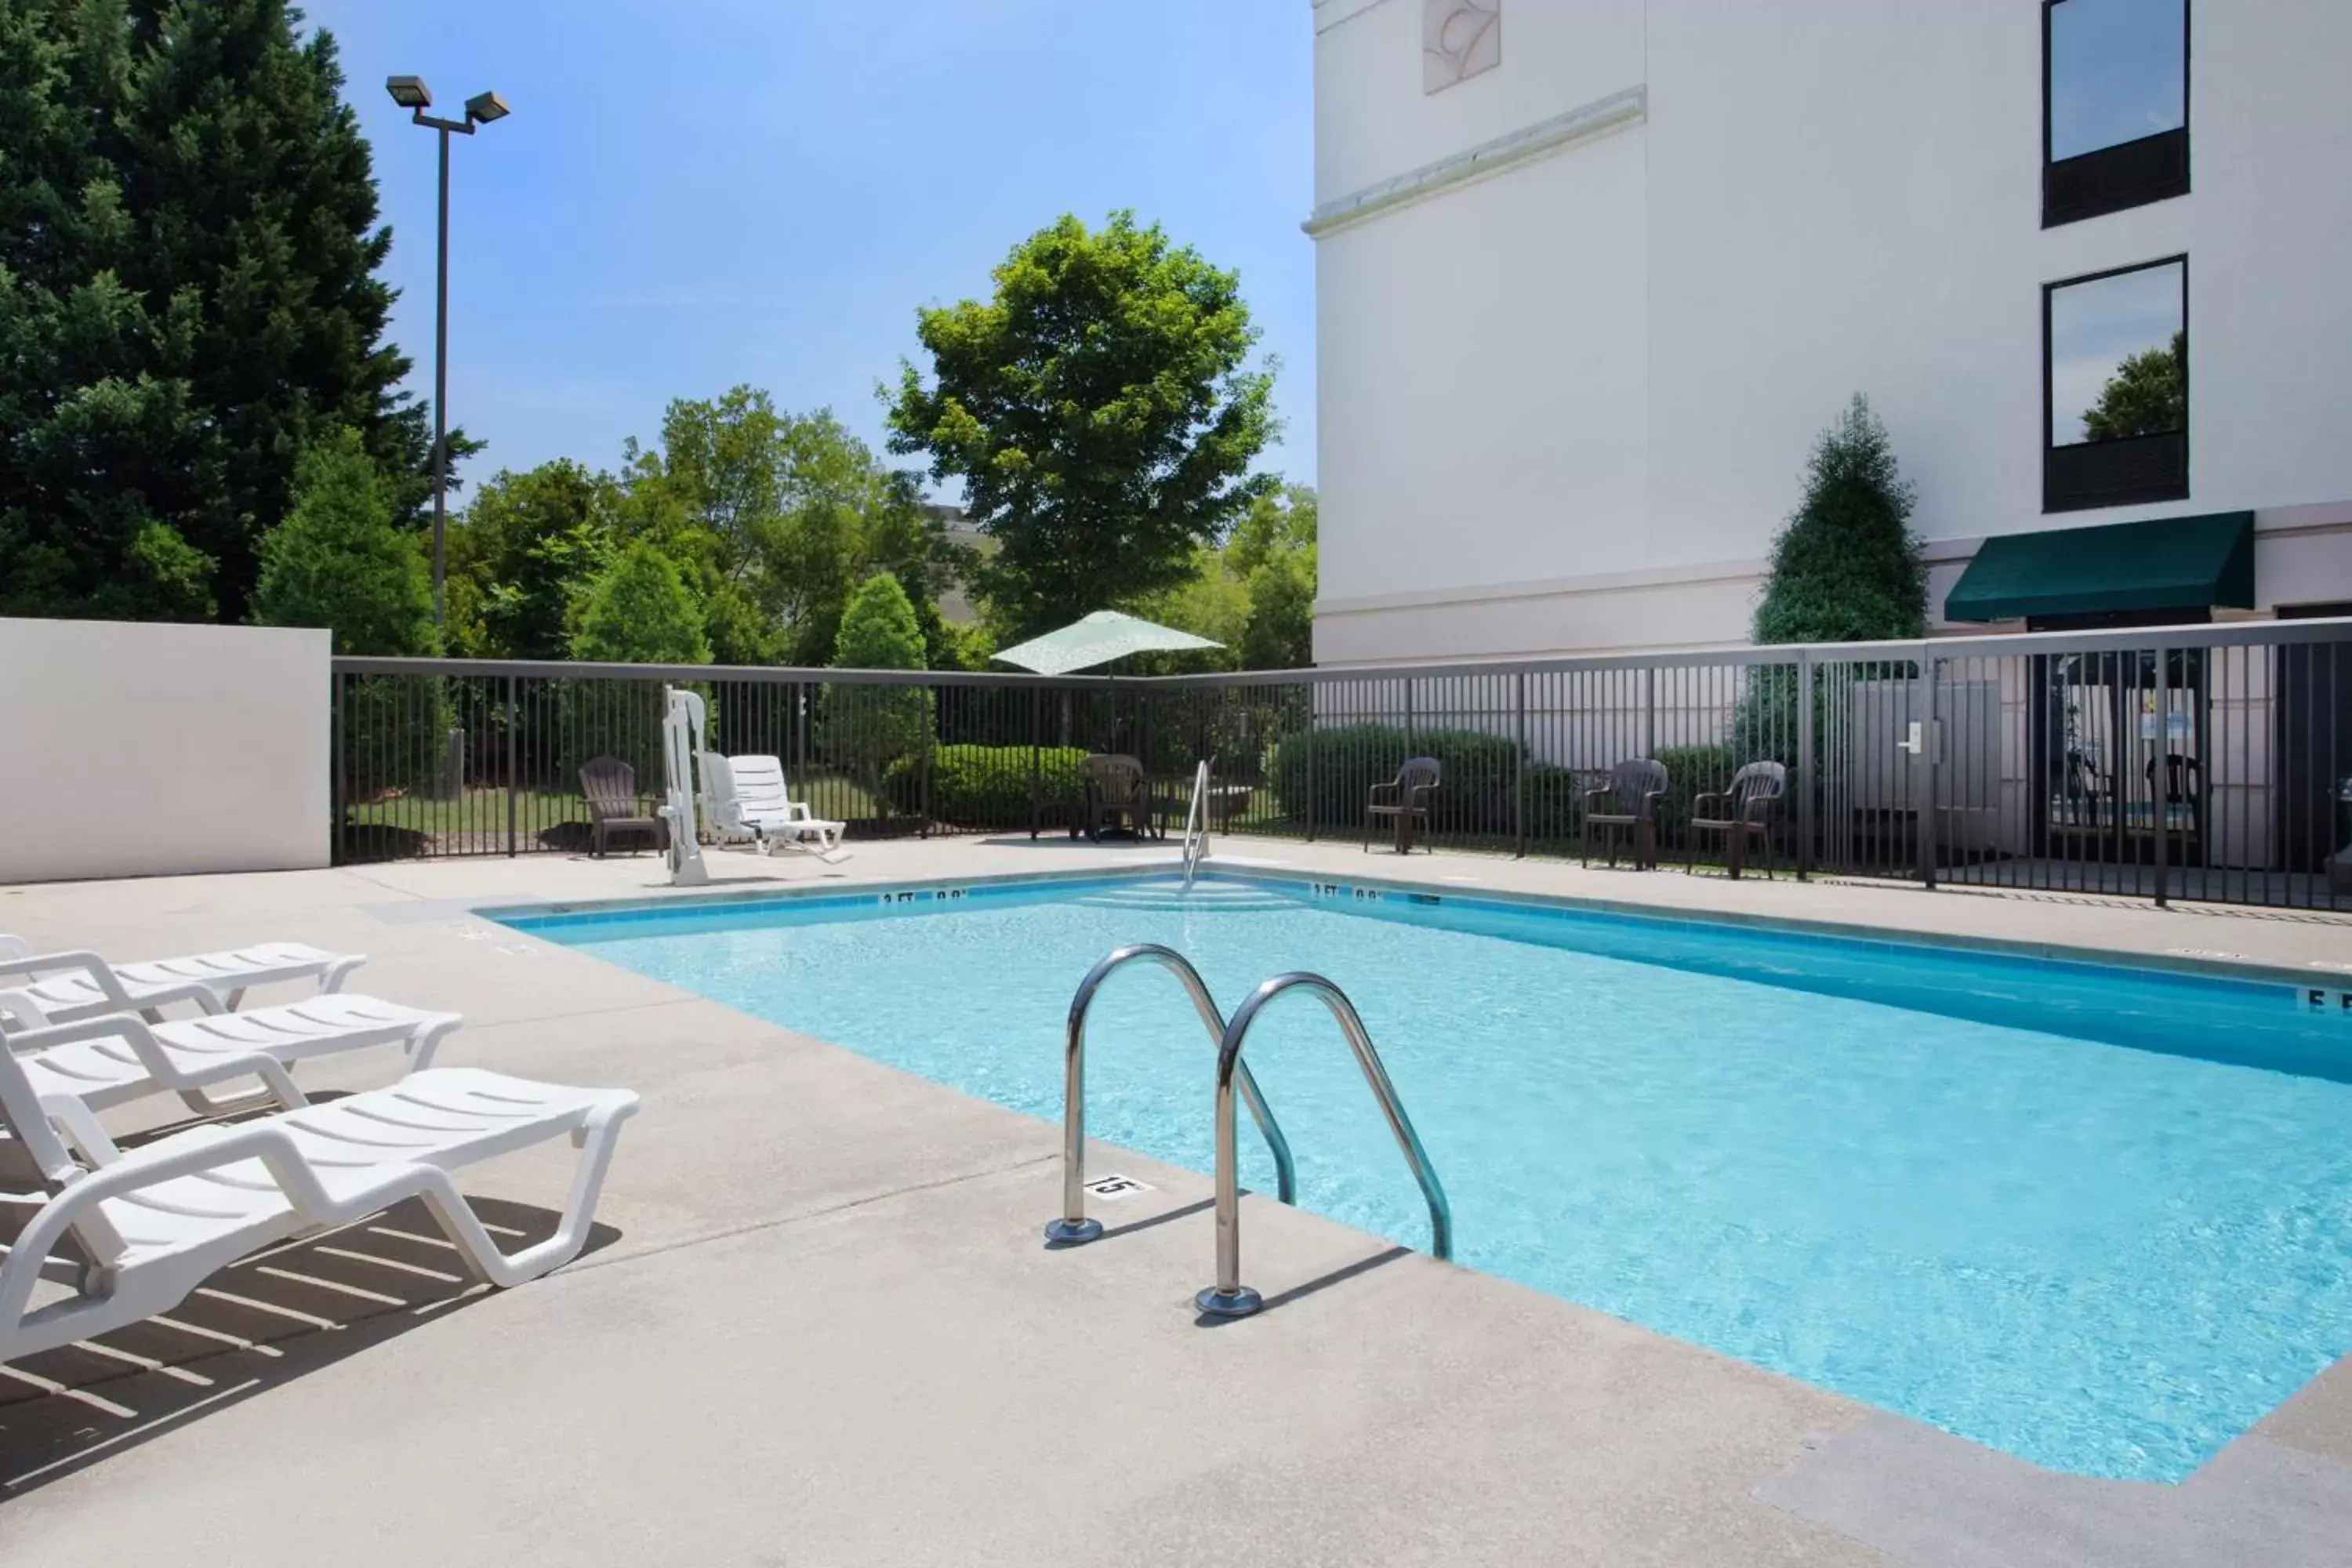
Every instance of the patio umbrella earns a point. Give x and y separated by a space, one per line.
1099 638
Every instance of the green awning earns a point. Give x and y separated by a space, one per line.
2166 563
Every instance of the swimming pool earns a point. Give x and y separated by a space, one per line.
2099 1218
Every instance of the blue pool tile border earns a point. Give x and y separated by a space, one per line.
934 896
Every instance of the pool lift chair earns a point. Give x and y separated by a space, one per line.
684 722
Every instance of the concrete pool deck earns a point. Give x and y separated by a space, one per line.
817 1326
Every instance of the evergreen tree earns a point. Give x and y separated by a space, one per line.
189 240
867 728
639 612
878 629
342 560
1847 567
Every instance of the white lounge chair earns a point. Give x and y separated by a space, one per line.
745 799
81 984
111 1060
149 1227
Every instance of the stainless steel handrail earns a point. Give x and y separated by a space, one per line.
1196 822
1229 1298
1074 1227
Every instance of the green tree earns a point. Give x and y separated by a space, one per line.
1281 631
96 422
1101 413
864 729
1274 551
342 560
2147 396
639 611
521 555
1280 522
878 629
190 247
776 516
1847 566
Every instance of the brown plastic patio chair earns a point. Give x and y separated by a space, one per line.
610 786
1117 793
1631 797
1404 802
1741 812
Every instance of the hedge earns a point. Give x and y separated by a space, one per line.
1478 794
1478 774
985 787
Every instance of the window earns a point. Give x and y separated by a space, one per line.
2115 387
2115 106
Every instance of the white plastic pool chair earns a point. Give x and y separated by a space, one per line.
111 1060
746 799
149 1227
78 984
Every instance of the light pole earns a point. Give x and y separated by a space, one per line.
411 93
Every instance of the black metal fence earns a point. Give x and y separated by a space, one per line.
2211 764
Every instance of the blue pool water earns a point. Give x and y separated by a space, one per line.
2100 1219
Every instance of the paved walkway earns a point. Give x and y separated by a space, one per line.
817 1326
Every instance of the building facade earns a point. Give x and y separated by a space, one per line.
1594 275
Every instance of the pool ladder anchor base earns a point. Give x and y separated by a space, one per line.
1238 1303
1072 1232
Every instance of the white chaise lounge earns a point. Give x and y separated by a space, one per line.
745 798
80 984
111 1060
149 1227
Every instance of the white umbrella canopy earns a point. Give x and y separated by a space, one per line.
1099 638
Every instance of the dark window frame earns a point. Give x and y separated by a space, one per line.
2128 174
2135 469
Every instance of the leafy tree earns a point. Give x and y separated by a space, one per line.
776 516
1847 566
639 611
954 647
342 560
1278 523
2147 396
1099 413
1281 631
189 243
522 554
1273 549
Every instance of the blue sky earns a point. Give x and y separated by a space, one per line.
701 192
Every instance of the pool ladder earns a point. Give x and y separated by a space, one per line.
1196 824
1229 1298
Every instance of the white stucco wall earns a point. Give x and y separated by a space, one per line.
130 750
1563 407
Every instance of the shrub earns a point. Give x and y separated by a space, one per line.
985 787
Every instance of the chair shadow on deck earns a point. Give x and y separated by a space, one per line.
264 1320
